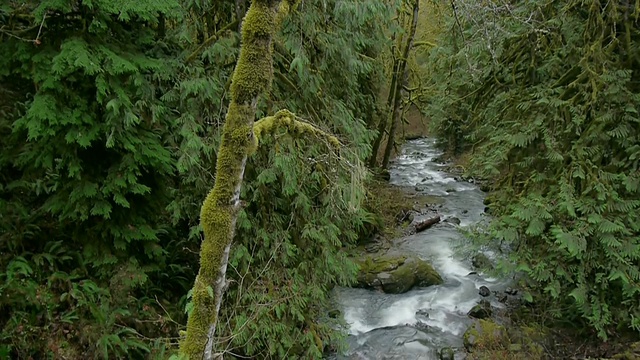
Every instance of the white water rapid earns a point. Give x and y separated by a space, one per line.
382 326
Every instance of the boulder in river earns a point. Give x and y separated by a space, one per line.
480 261
396 274
422 313
453 220
446 354
482 310
484 291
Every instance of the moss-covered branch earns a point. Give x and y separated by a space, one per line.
252 77
284 119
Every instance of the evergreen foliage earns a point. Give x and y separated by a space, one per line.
88 166
110 114
303 204
545 96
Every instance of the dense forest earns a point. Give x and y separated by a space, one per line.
188 179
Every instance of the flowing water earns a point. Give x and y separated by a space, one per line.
382 326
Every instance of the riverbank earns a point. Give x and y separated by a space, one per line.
525 330
467 315
426 208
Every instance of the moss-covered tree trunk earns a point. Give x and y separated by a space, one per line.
401 78
251 78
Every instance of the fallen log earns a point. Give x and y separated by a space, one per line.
427 223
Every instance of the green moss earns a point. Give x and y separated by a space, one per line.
285 119
396 273
426 275
632 353
380 264
254 71
252 77
486 340
485 335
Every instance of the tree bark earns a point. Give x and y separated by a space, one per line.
427 223
382 125
251 78
402 71
383 122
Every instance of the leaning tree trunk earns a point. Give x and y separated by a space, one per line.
251 78
395 118
402 68
384 120
382 125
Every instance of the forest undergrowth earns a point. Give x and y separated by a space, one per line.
110 121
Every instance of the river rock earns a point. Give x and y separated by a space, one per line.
484 291
396 274
480 311
480 261
484 334
453 220
421 187
447 354
422 314
511 291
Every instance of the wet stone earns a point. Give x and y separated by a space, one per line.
481 311
453 220
484 291
422 313
481 261
446 354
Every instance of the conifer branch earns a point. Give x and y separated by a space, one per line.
210 40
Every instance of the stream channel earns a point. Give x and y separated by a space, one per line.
383 326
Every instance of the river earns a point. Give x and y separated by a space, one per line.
381 326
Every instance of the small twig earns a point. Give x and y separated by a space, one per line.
35 41
455 14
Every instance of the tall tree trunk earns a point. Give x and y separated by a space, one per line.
382 125
400 83
395 118
251 78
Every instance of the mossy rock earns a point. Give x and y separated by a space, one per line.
487 340
632 353
480 261
396 274
481 310
485 334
